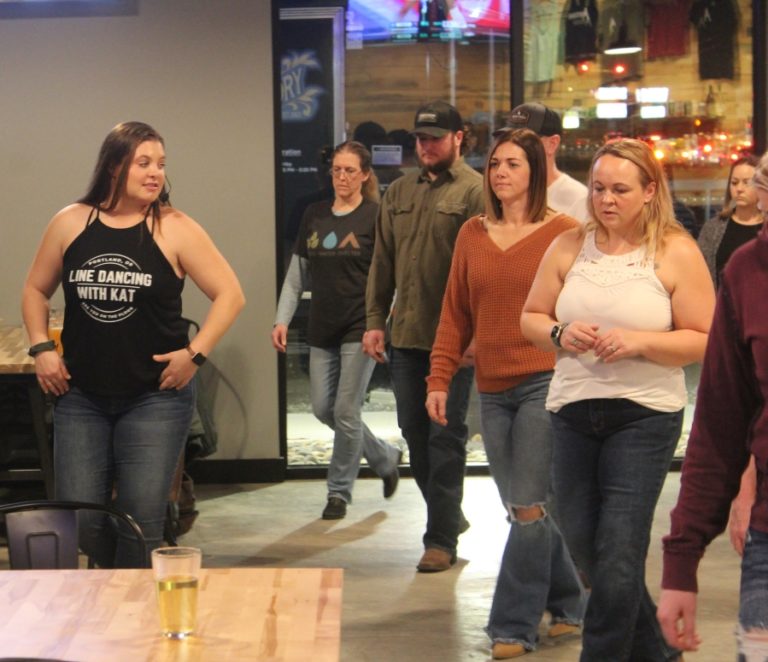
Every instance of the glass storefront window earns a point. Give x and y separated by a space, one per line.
676 73
400 54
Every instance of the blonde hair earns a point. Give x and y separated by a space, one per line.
760 178
658 217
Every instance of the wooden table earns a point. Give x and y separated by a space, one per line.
17 367
243 614
13 351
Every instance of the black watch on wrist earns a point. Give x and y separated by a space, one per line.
556 333
39 348
198 358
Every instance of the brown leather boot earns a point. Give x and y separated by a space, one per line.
435 560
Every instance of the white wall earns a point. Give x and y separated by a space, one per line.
201 73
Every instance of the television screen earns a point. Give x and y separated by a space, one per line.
426 20
60 8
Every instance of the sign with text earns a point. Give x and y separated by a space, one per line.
312 108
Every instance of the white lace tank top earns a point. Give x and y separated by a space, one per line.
615 291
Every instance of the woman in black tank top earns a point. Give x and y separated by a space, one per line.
123 378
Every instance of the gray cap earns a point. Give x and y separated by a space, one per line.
536 117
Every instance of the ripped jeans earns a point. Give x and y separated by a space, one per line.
537 572
753 603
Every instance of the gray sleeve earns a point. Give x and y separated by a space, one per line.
709 241
295 283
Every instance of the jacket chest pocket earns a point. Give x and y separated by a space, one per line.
449 218
403 221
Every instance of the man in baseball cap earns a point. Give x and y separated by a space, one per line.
436 119
419 219
536 117
564 193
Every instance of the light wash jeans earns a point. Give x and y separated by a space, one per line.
753 601
129 444
611 457
537 572
338 378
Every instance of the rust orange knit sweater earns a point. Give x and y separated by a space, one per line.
486 290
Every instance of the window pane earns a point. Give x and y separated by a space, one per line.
399 55
675 73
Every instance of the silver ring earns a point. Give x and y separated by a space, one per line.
612 348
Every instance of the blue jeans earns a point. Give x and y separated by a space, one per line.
753 601
537 572
131 445
338 378
437 453
611 457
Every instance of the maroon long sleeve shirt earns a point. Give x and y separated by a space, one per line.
731 419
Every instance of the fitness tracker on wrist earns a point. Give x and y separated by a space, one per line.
39 348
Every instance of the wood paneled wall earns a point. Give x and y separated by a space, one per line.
386 83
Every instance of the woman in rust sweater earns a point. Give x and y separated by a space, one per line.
494 263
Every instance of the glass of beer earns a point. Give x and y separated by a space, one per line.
55 324
176 571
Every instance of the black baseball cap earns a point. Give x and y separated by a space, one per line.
536 117
436 119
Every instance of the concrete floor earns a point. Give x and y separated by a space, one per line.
393 613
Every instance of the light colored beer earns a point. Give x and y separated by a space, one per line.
54 333
177 600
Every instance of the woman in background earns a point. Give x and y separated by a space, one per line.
494 262
333 252
739 221
625 303
125 382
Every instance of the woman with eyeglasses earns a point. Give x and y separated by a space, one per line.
730 426
625 303
332 255
494 262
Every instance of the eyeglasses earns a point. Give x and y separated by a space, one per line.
349 173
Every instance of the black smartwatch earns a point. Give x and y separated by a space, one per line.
198 358
556 333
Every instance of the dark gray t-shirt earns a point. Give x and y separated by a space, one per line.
339 250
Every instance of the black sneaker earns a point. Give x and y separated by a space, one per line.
336 508
392 479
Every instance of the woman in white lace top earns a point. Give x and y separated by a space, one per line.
625 302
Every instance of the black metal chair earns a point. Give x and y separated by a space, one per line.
43 534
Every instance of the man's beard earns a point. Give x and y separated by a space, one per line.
441 165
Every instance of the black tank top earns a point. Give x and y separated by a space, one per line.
123 304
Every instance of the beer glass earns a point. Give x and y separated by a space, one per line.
176 571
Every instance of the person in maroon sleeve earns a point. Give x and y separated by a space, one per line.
730 425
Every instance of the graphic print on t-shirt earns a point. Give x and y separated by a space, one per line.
331 245
107 286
